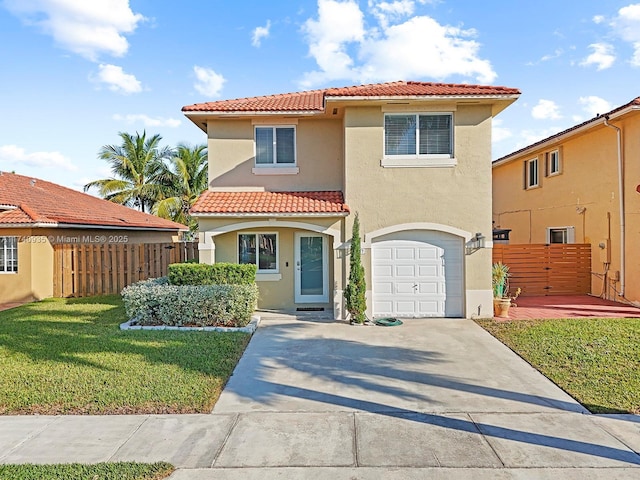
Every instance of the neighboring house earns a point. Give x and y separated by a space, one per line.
35 215
288 172
569 188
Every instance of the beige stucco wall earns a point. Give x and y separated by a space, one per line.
34 279
589 181
278 293
319 155
458 197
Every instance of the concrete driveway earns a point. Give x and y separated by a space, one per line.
425 365
436 395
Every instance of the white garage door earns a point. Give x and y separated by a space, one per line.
418 277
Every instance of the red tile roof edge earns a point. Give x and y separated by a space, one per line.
273 203
43 202
277 102
633 103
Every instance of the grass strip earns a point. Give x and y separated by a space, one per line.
78 471
68 356
595 360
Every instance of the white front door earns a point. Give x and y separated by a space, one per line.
311 268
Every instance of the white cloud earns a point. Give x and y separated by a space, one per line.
597 19
147 121
338 24
386 12
558 52
602 56
259 33
593 105
117 80
85 27
397 48
627 25
12 154
546 110
499 133
208 82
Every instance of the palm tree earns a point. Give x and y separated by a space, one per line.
183 179
135 165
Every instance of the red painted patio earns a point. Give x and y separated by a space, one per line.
570 306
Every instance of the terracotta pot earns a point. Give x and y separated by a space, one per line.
501 307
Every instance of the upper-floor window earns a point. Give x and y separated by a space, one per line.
553 162
8 254
275 146
418 139
531 169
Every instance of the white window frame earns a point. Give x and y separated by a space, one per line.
558 169
569 234
418 159
275 168
256 234
9 254
530 183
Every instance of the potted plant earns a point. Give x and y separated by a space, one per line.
500 283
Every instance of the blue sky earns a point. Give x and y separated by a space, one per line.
76 72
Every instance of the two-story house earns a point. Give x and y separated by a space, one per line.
288 172
580 186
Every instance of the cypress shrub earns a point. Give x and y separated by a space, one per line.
355 292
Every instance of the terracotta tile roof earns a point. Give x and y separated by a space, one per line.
214 202
14 215
38 201
595 120
314 100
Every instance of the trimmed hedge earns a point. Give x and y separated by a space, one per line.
216 274
155 302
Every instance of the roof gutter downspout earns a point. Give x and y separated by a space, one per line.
622 212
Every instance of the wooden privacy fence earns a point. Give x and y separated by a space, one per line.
82 270
540 269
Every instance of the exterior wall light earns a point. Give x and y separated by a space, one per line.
476 243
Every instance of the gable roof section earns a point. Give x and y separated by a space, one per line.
215 203
315 100
25 201
591 123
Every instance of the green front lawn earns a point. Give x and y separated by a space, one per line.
68 356
77 471
595 360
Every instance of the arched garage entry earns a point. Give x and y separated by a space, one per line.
418 273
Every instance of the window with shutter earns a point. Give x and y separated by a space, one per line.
418 139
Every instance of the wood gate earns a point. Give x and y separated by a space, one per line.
82 270
541 269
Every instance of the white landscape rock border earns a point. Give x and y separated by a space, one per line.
249 328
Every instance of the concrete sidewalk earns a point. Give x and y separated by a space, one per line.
430 399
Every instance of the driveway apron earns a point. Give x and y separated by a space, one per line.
430 394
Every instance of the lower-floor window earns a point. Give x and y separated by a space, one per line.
561 235
260 249
8 254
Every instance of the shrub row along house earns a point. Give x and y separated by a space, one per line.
36 215
580 185
286 173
